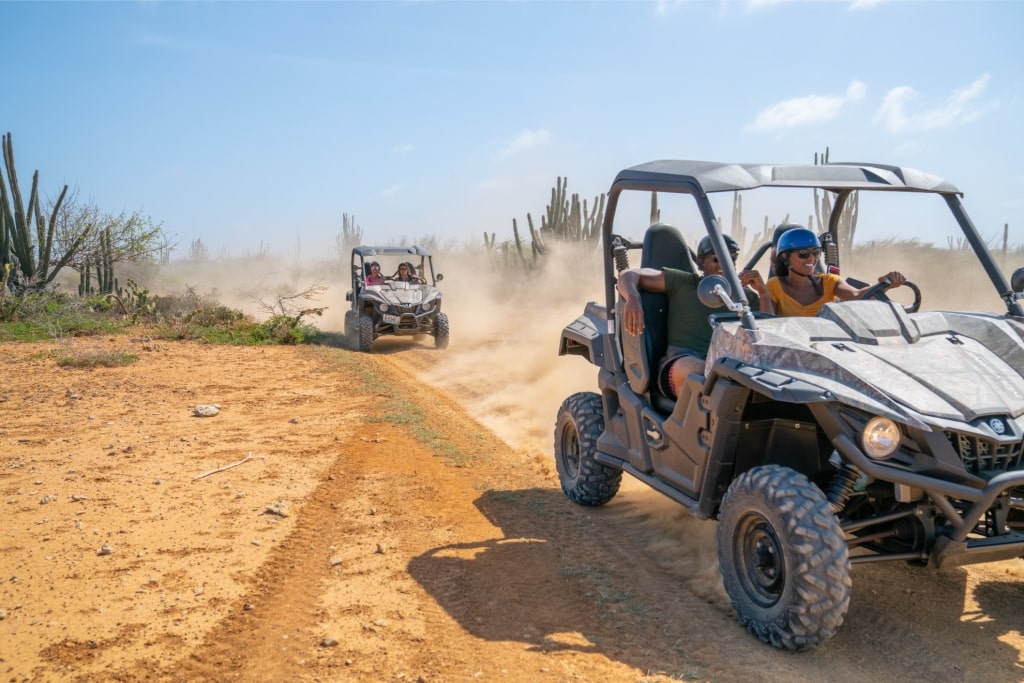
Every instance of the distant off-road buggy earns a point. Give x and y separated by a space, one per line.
391 306
874 431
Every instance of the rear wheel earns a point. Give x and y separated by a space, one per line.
366 334
441 331
783 558
584 480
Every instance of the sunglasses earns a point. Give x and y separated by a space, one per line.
808 253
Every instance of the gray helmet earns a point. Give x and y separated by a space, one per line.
704 247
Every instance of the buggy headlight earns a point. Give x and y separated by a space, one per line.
384 308
426 308
880 438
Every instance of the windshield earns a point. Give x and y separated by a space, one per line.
391 268
913 233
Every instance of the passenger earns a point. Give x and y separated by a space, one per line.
374 278
799 289
689 333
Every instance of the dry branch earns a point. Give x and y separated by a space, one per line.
228 467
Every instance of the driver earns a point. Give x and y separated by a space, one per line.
799 289
407 273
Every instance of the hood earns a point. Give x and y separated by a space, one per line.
401 294
871 354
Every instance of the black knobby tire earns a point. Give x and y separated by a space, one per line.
366 334
584 480
783 558
441 331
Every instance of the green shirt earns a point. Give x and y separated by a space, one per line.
688 318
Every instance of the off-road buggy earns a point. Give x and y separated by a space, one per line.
875 431
392 306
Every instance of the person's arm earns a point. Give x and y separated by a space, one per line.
753 279
847 292
629 285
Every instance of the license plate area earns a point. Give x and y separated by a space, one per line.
391 319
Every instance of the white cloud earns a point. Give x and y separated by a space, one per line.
401 150
801 111
962 106
527 140
390 192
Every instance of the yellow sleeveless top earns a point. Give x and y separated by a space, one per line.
785 305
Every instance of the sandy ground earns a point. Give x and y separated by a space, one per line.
398 519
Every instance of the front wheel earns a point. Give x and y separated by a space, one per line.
441 331
783 558
366 334
584 480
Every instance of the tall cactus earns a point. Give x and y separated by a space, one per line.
32 261
823 211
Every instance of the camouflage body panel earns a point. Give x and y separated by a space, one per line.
910 367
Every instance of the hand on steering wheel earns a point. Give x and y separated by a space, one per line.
877 291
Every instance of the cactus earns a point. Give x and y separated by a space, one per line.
847 226
351 236
33 262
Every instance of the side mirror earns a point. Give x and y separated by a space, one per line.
1017 280
348 295
713 291
439 277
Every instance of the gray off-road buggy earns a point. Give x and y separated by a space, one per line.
875 431
392 306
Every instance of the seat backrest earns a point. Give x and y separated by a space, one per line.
663 247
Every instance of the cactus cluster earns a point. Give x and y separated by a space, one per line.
565 220
26 235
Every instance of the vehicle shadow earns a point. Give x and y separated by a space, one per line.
559 577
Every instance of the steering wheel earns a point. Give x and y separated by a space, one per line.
877 291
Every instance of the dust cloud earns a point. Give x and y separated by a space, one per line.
503 363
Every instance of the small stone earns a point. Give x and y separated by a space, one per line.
336 561
248 607
105 550
206 410
294 421
381 549
46 499
280 508
328 642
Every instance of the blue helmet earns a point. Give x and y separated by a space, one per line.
797 238
704 247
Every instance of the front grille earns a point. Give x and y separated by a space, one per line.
985 456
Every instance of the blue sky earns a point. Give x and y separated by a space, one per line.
243 123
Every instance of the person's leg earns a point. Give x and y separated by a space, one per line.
681 367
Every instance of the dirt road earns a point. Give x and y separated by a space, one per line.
398 519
